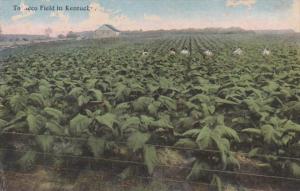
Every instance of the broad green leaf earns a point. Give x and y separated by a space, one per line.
45 142
204 137
147 120
122 107
55 113
231 159
18 103
153 107
186 143
4 90
33 123
191 105
122 91
37 98
223 146
199 170
253 152
252 131
216 181
126 173
45 91
83 100
97 94
186 122
76 92
162 123
224 101
2 123
150 158
131 122
107 119
192 133
54 127
291 126
165 83
80 124
201 98
97 145
90 83
295 169
168 102
137 140
269 133
142 103
228 132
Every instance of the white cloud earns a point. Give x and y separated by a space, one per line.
99 15
152 18
23 13
61 16
295 15
62 25
235 3
96 16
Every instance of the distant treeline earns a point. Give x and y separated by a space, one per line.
233 30
21 37
149 34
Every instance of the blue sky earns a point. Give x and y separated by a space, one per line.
150 14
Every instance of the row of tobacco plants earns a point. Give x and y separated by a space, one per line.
111 102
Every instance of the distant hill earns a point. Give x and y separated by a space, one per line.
215 30
24 37
287 31
231 30
85 34
154 33
204 30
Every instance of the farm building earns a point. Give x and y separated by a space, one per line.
106 31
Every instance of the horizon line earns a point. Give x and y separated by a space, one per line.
162 29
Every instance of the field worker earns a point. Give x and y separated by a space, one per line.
185 51
145 52
266 52
172 51
238 51
208 53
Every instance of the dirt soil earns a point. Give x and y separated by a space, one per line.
42 180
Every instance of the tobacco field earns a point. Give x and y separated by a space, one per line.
101 105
